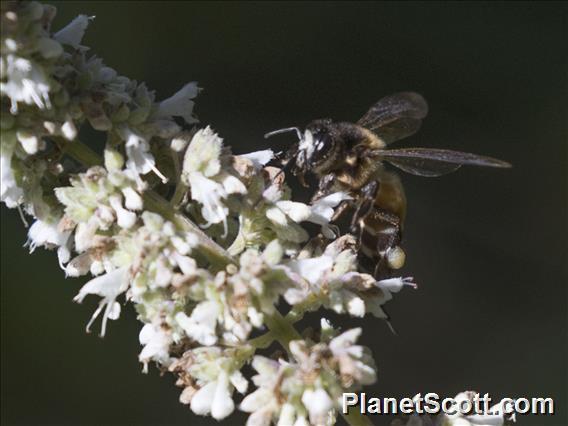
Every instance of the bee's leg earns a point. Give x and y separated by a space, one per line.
391 255
341 209
284 160
365 204
325 187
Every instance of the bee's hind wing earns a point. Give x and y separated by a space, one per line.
435 162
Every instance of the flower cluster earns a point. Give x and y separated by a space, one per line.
205 244
307 389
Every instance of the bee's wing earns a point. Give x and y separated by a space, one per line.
396 116
435 162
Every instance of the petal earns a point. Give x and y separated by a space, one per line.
124 218
259 158
356 307
317 402
180 104
203 154
256 400
345 340
233 185
261 417
108 285
265 366
201 325
322 210
301 421
140 159
42 233
394 285
223 404
132 200
312 269
239 381
73 33
287 415
209 193
298 212
114 311
203 398
277 216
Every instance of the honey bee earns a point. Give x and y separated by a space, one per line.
350 157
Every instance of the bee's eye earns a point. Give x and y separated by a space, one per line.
323 145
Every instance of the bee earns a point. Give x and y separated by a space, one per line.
350 157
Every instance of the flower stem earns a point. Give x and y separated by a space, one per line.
282 329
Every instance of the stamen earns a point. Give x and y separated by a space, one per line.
22 217
159 174
409 281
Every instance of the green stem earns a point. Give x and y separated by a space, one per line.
262 342
177 198
282 330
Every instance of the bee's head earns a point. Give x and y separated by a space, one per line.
315 152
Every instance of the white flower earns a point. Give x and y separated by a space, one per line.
49 48
73 33
214 398
85 233
79 265
312 269
69 130
284 213
140 159
319 405
259 158
496 418
29 141
323 209
180 141
200 326
48 235
156 343
333 281
394 285
10 192
298 212
109 286
387 286
217 373
180 104
26 82
210 194
125 219
132 200
355 362
203 154
209 184
263 403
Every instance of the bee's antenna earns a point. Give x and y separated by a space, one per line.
287 129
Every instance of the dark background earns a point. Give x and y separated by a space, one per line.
488 247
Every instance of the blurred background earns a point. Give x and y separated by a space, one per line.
487 247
